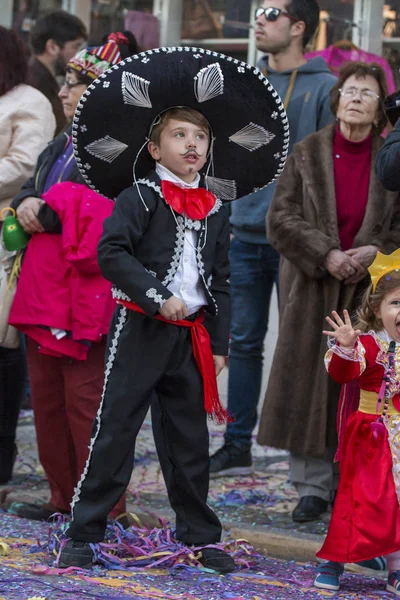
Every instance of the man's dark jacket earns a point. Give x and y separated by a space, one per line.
40 78
387 164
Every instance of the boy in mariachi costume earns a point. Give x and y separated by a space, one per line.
172 133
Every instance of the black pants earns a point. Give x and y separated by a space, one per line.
146 356
12 387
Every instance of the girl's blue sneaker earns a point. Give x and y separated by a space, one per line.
328 576
393 583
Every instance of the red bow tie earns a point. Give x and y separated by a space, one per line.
195 203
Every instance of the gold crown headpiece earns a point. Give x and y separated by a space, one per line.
383 263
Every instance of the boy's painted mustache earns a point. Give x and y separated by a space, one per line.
192 151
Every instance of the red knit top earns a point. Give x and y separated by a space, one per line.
352 168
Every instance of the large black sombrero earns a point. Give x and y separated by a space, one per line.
247 118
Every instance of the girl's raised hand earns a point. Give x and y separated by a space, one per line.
343 332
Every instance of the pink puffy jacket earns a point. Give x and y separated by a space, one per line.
61 286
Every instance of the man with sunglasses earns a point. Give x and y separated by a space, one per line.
283 29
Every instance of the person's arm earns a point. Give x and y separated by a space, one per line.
218 326
46 217
387 165
345 360
325 116
123 231
29 193
49 219
289 232
390 241
33 125
27 190
345 365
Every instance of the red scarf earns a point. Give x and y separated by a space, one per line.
195 203
203 354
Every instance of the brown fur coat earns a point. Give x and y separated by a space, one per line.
299 412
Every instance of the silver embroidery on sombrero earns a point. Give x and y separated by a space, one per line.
222 188
392 423
252 137
106 148
209 83
211 90
135 90
110 362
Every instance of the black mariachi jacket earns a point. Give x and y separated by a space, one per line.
140 251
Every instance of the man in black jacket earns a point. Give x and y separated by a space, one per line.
387 164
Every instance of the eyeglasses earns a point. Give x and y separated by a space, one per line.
71 84
271 13
366 94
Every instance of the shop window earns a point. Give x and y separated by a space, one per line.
391 37
205 19
336 23
221 25
25 13
111 15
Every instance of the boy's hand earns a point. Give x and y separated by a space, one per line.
174 309
219 362
343 332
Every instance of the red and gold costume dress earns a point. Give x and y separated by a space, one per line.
366 515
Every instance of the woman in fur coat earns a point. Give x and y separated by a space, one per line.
328 218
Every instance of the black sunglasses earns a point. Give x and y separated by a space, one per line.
271 13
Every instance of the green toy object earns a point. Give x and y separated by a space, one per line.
14 237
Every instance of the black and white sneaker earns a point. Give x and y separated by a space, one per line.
231 461
76 554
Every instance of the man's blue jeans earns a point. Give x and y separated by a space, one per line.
254 270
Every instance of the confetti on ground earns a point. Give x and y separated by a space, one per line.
29 571
153 566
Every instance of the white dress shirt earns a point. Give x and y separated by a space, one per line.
186 284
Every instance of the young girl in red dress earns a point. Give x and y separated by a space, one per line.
366 516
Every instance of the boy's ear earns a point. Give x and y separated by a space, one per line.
154 150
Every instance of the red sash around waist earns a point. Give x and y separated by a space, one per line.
204 358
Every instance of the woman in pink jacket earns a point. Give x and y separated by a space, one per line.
62 303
